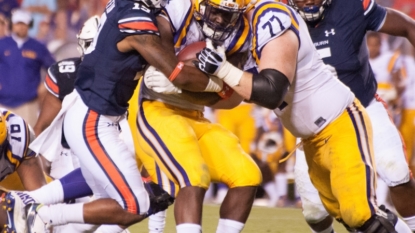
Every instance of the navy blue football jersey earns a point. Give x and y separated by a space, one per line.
61 77
340 40
107 77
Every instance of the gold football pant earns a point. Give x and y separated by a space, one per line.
182 148
239 121
341 166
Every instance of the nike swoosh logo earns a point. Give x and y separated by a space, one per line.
10 223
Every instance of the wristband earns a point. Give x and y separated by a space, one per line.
230 74
176 71
226 91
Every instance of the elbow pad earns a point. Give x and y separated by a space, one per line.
269 88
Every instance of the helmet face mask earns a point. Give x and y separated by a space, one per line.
219 18
155 4
310 13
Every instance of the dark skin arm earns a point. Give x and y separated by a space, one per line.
153 51
213 99
399 24
201 98
31 173
50 108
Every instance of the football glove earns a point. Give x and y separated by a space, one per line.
213 61
158 82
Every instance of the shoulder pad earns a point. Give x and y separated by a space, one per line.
136 18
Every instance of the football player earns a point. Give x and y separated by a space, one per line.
313 105
128 40
21 169
189 150
337 29
63 166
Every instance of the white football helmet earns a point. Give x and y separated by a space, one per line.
310 13
156 4
87 33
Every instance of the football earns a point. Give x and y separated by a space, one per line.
189 52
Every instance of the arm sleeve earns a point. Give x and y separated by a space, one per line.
51 82
270 20
374 14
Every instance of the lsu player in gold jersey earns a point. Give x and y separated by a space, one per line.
20 169
186 151
315 106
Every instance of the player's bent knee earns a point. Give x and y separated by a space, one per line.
137 204
248 175
201 180
395 173
354 218
313 213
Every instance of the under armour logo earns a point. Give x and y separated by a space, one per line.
109 124
332 32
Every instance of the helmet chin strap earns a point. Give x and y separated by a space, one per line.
312 13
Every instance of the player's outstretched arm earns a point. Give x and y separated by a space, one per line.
50 108
399 24
151 48
277 70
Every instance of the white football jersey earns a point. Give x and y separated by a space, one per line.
383 66
19 136
186 30
315 97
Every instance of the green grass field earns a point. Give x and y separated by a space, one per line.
261 220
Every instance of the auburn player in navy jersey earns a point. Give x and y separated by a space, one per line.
338 28
127 41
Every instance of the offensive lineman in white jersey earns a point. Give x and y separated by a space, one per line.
315 106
